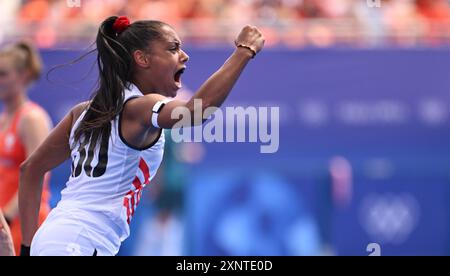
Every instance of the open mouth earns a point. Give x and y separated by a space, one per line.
177 76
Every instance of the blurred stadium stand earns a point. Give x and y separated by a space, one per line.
290 23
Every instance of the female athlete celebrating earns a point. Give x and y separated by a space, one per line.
115 140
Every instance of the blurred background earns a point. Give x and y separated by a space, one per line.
363 89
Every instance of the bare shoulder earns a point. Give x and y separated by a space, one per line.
143 103
76 111
36 117
140 108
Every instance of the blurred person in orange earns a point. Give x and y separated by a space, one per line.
23 126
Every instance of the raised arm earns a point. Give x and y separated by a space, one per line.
214 91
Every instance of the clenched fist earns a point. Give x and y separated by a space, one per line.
251 38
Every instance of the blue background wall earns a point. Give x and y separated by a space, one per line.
384 111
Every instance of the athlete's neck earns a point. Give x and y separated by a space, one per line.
145 86
14 103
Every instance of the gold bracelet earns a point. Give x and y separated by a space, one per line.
247 47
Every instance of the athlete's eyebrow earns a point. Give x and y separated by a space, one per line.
175 42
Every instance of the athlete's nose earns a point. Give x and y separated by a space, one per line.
184 57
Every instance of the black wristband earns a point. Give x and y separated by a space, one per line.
24 250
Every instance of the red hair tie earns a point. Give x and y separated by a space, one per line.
121 24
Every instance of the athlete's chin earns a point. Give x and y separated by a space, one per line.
174 91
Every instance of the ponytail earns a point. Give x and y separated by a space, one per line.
115 64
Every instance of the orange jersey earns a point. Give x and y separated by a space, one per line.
12 154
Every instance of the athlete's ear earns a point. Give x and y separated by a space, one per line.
141 58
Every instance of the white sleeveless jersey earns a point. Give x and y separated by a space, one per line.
107 179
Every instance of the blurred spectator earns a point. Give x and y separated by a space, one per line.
436 14
8 14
